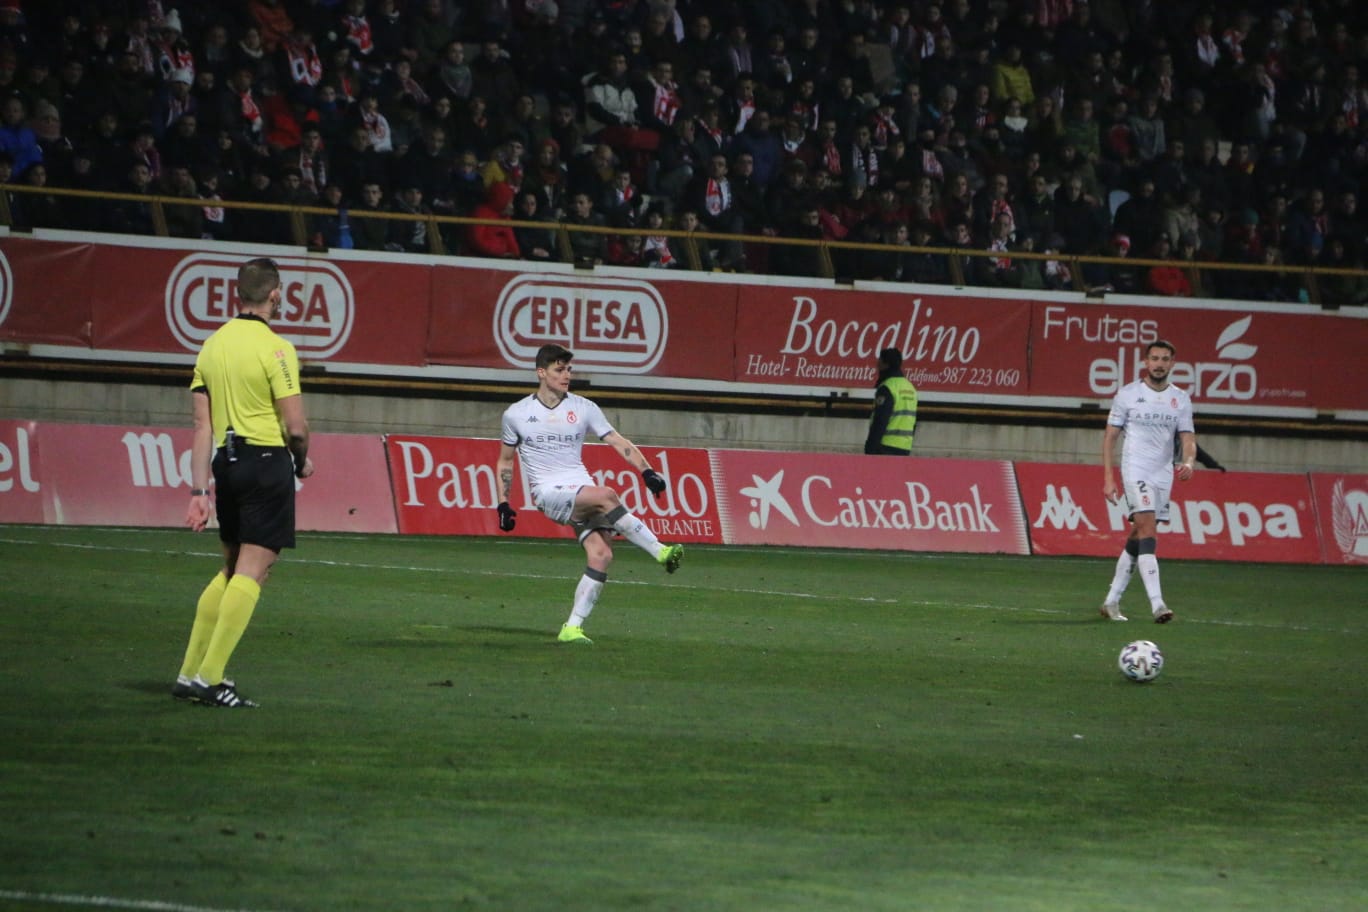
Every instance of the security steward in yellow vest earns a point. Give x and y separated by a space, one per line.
895 409
251 433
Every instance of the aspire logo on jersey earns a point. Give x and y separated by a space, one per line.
613 325
317 304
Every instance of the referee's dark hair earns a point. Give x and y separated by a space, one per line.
257 279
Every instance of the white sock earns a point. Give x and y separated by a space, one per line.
1149 572
586 596
1125 566
635 531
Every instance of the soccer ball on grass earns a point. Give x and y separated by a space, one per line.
1141 661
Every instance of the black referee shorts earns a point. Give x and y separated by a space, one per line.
255 497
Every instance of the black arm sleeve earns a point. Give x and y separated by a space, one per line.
878 423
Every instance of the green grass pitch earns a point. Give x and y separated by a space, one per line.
768 729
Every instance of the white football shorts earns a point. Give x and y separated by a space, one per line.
557 502
1146 495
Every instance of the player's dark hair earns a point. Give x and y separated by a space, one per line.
257 279
1161 343
551 354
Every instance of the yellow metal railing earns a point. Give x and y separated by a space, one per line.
301 220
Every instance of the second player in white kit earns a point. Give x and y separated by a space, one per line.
1152 413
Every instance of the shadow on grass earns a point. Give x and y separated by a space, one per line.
1071 621
504 637
161 688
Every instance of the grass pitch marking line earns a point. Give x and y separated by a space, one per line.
107 902
984 606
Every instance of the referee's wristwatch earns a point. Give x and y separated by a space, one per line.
199 492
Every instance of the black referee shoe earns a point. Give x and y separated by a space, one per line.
223 695
183 689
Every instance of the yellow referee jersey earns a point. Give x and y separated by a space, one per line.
246 367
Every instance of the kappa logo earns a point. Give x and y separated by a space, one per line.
1349 519
1059 510
765 496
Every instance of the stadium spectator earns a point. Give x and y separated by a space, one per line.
16 137
1168 279
505 163
711 196
356 164
498 241
132 216
538 242
430 34
1121 278
587 247
36 209
1140 217
368 232
454 77
182 220
410 235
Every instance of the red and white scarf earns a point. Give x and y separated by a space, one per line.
359 34
251 114
718 198
305 66
666 105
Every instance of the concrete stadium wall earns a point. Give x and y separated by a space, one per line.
138 404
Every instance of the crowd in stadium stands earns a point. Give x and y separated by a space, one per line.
1179 131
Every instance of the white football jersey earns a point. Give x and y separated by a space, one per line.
1152 420
550 441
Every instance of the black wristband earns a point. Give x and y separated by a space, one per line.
200 492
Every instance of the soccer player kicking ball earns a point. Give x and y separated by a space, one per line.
547 430
1152 412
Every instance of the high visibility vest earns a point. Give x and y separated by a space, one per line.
903 422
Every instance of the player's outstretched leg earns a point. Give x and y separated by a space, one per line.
669 557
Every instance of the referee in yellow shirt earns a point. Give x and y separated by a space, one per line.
251 432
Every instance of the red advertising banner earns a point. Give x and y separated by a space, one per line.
1240 357
68 474
499 317
447 486
836 501
360 314
1243 516
1342 510
81 474
168 299
831 338
44 307
21 486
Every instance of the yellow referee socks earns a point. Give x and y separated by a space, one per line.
235 611
206 616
